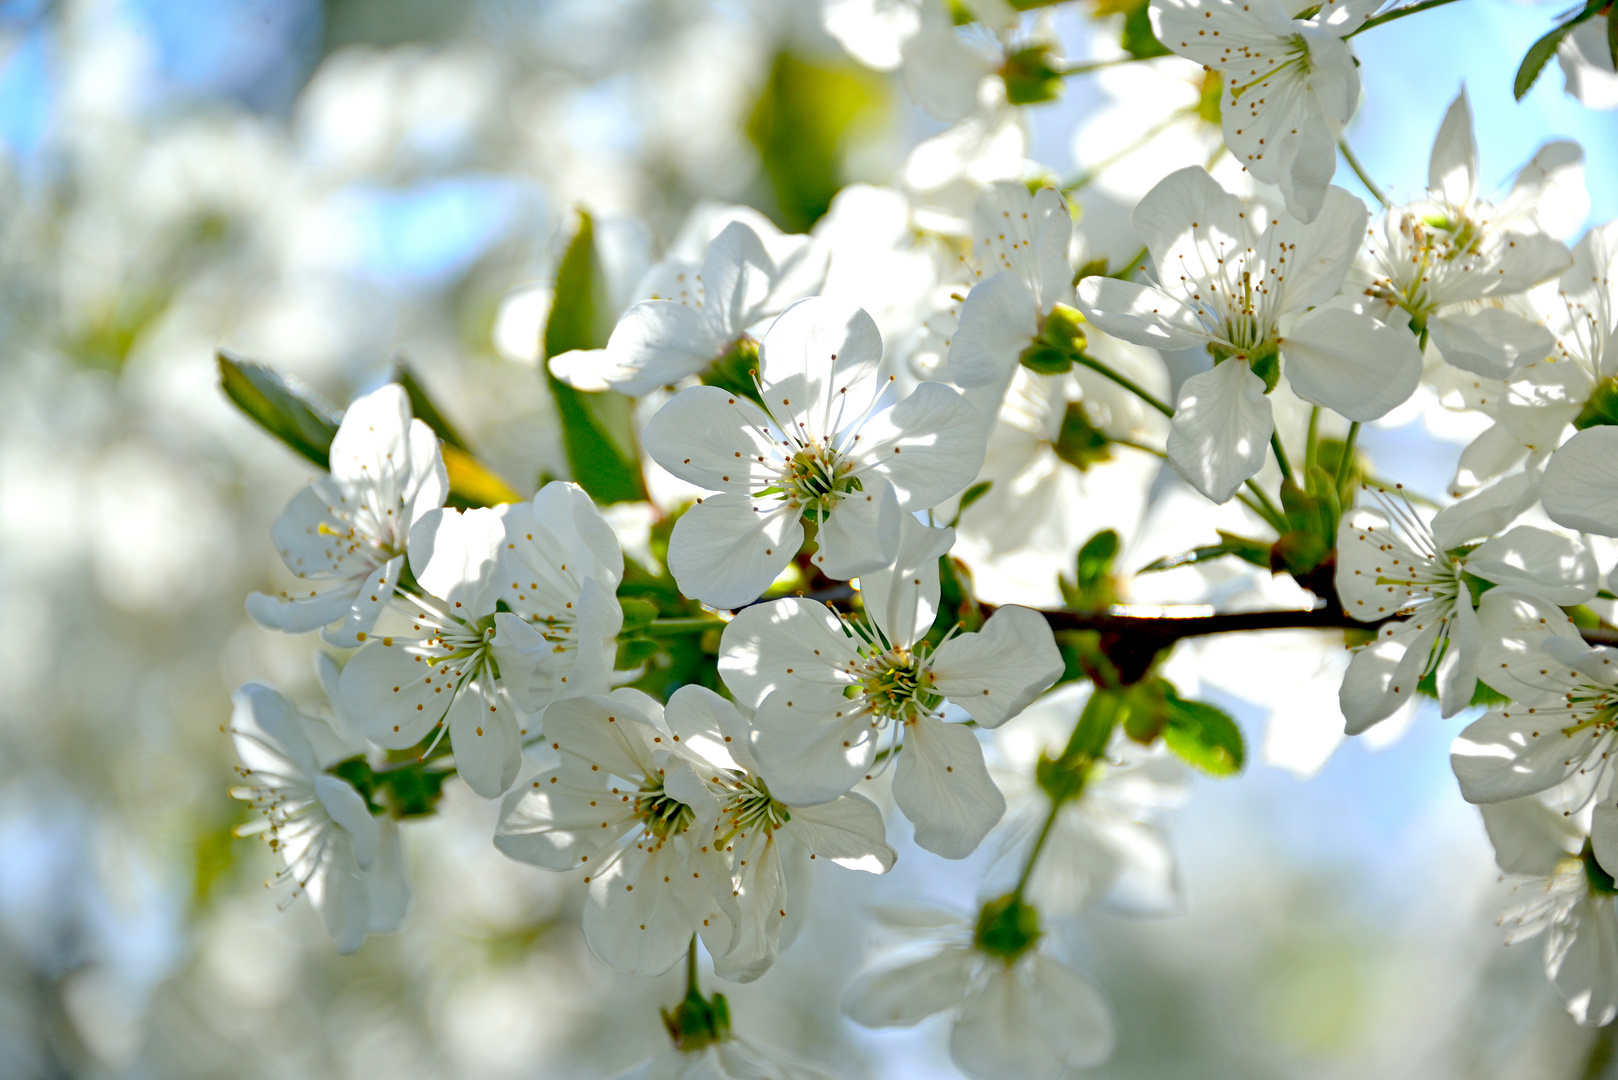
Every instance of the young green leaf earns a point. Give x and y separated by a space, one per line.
597 428
1203 736
284 407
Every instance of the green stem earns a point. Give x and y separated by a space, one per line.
1039 845
691 986
693 625
1268 510
1311 443
1345 463
1281 457
1399 13
1084 67
1133 445
1122 380
1134 264
1359 170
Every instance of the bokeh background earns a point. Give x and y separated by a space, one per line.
326 187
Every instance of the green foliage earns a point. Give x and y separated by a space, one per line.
403 791
1541 51
1202 735
598 431
970 496
1256 552
673 657
284 407
1093 586
801 125
1137 39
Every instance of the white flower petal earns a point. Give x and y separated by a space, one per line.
372 599
1452 172
942 785
553 823
929 446
902 599
483 730
714 439
455 556
1529 837
1350 363
1139 313
658 342
727 549
1585 971
1498 757
1553 567
848 831
1032 1021
1382 676
1491 342
349 811
392 692
812 744
861 533
784 643
996 673
909 993
1221 429
817 366
998 321
1580 490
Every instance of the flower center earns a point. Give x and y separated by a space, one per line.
663 815
897 685
817 478
752 808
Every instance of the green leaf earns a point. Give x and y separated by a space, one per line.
1256 552
1203 736
597 428
284 407
802 125
1137 39
973 494
1537 56
1096 558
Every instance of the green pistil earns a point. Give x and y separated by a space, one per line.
1601 882
664 816
899 685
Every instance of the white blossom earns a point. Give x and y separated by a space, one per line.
770 843
1029 1018
484 673
826 691
336 848
735 1058
1567 897
1557 732
1254 289
826 445
1291 83
349 530
696 317
1447 259
1391 563
636 810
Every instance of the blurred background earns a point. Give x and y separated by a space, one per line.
327 186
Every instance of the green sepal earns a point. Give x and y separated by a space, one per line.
1602 406
1080 443
1146 710
1007 927
1093 586
1601 883
1060 341
598 431
697 1023
281 405
1030 76
736 371
1203 736
970 496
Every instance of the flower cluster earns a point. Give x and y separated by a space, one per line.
877 468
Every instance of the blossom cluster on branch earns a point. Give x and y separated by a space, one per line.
872 458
